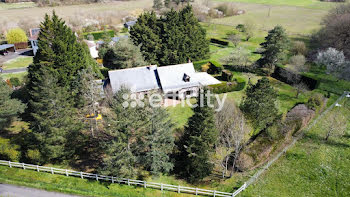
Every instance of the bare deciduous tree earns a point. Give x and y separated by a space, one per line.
335 125
233 131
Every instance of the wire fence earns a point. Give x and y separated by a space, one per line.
145 184
295 139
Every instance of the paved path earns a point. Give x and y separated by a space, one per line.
10 56
16 70
18 191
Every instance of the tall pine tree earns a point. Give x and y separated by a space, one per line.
174 38
54 121
197 143
276 42
59 50
259 104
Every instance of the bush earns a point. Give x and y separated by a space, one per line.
97 35
34 156
15 81
16 35
241 27
226 75
8 151
237 85
205 67
219 41
314 101
298 61
299 48
228 9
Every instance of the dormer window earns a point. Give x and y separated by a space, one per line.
186 78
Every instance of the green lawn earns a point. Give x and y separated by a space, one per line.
19 62
20 75
312 4
313 167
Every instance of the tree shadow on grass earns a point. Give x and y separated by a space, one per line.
330 142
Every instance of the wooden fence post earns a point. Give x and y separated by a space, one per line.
10 164
96 177
23 166
145 184
67 173
37 168
128 182
214 193
196 191
178 189
161 187
112 179
81 175
51 170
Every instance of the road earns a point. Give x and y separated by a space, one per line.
18 191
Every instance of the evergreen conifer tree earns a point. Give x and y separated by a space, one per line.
197 143
259 104
9 108
157 143
54 119
276 42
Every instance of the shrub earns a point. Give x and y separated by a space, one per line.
8 151
228 9
299 48
314 101
34 156
298 61
205 67
16 35
15 81
97 35
219 41
226 75
240 27
333 59
236 85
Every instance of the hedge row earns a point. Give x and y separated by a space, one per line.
98 34
219 41
224 87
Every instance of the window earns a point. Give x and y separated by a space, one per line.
189 92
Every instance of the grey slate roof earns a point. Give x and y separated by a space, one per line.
171 77
136 79
167 78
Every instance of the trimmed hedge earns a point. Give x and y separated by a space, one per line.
226 75
98 34
215 67
219 41
310 82
224 87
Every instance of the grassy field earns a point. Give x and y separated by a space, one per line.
312 4
37 13
292 18
314 167
7 6
19 62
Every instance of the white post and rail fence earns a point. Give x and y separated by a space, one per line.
160 186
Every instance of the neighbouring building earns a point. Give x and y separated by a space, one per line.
175 81
6 48
92 48
33 38
129 24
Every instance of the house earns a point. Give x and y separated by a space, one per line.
6 48
33 38
129 24
175 81
114 40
